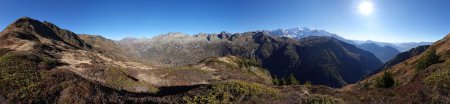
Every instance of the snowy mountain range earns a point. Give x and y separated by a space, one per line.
299 33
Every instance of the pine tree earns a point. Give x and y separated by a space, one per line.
275 81
292 80
308 83
282 82
385 81
388 80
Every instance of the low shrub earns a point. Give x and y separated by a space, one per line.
321 99
19 74
291 80
428 59
385 81
4 51
18 70
119 78
439 81
248 63
229 92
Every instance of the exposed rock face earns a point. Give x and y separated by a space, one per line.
322 60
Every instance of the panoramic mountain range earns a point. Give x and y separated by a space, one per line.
42 63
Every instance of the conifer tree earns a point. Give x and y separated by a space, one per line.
275 81
282 82
292 80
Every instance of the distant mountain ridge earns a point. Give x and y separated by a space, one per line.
298 33
383 50
406 55
384 53
420 74
402 47
321 60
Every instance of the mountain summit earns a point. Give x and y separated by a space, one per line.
44 32
299 33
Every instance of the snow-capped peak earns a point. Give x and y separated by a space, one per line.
298 33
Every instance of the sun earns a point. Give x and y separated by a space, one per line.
366 7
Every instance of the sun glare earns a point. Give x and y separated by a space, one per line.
365 7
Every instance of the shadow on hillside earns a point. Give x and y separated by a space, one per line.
163 91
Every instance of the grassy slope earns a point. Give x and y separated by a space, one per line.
30 78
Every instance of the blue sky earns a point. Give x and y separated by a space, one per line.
390 21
